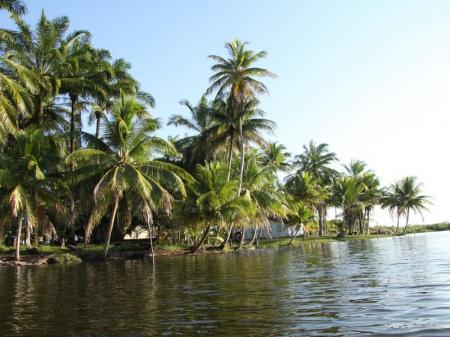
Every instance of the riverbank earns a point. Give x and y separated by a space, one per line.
85 253
131 250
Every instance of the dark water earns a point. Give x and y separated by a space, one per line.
390 286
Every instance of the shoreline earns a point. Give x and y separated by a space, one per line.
47 255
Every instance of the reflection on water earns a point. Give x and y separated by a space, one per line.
390 286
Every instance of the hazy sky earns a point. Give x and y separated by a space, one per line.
371 78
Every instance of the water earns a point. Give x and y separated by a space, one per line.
390 286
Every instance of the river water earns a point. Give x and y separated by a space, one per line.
380 287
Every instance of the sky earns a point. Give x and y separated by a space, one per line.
370 78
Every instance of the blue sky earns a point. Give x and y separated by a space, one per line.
371 78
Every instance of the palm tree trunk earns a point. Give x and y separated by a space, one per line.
241 171
228 236
111 224
202 240
293 236
259 236
28 235
254 236
321 229
19 231
241 242
39 112
73 101
407 220
150 235
230 155
398 223
97 126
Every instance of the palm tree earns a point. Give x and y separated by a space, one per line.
202 146
122 161
14 7
304 187
347 193
83 74
38 56
119 82
25 185
316 159
260 186
15 102
402 197
300 214
236 77
211 201
275 155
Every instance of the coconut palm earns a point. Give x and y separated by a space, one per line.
83 75
260 186
403 197
212 201
201 146
347 194
122 161
119 82
38 58
275 155
317 160
300 215
236 77
15 101
15 7
25 185
251 123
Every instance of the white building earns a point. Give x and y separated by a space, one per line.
275 230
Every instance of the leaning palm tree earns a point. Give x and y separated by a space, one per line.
122 162
403 197
236 77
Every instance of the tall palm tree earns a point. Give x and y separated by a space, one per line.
83 75
247 128
317 160
403 197
122 161
236 77
38 55
25 185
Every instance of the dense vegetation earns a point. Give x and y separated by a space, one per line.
58 181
